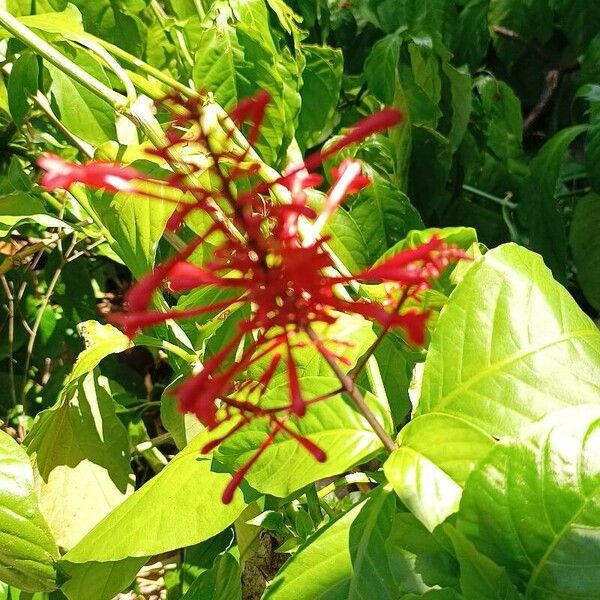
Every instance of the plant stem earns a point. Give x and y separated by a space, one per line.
146 340
10 309
149 69
91 44
355 394
501 201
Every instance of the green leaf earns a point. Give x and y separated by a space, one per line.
288 19
579 21
100 341
460 100
98 580
510 346
81 111
345 559
182 426
384 215
480 577
333 424
22 83
321 82
472 34
503 119
136 225
27 549
436 454
66 22
186 485
585 245
532 505
537 204
84 477
381 67
19 208
221 582
592 151
236 57
529 18
347 241
370 565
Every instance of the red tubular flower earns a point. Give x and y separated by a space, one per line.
62 174
262 260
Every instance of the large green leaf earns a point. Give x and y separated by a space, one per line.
84 477
510 346
473 34
20 208
221 582
98 580
385 215
480 577
145 523
537 206
503 120
533 506
81 111
321 81
333 424
27 549
136 225
67 21
22 83
381 67
346 559
585 245
436 454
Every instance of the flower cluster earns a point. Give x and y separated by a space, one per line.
270 255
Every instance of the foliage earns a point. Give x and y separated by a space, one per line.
489 485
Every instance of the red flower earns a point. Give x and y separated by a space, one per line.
62 174
262 260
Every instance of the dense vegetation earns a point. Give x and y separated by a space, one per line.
459 290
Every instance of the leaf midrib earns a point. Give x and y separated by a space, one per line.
499 366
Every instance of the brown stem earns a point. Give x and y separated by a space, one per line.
371 350
354 392
513 35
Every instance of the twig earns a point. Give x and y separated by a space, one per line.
553 76
355 394
513 35
552 79
505 202
10 308
40 313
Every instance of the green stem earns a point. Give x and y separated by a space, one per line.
146 68
53 56
200 9
110 62
147 340
501 201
